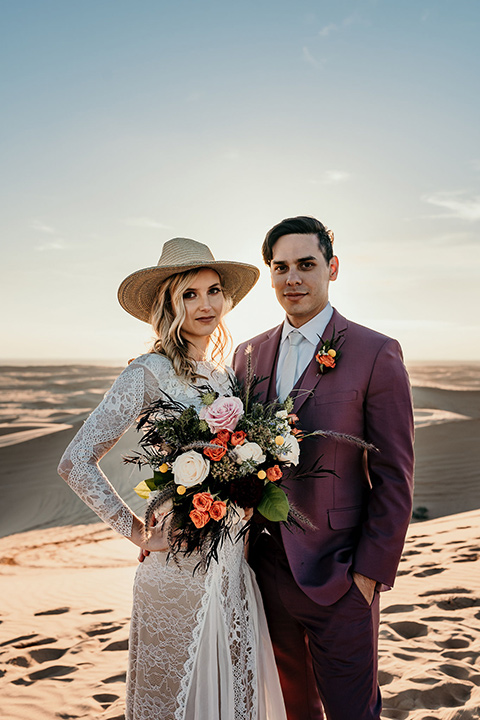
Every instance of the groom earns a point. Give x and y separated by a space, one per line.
320 587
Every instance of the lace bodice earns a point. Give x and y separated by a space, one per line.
140 384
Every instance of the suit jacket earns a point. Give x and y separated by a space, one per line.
361 512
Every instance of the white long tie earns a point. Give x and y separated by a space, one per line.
289 378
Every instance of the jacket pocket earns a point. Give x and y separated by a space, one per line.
337 397
344 518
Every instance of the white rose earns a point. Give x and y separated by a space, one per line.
250 451
282 414
190 468
290 450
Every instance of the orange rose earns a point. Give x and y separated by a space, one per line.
223 436
292 418
216 453
238 437
199 518
218 510
326 360
274 473
202 501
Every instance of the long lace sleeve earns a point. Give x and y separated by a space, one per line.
118 410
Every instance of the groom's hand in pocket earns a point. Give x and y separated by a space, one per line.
366 586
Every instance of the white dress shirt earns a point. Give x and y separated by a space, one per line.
312 331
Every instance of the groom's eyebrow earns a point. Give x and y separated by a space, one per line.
299 260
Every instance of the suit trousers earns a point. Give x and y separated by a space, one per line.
326 655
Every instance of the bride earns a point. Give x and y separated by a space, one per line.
199 647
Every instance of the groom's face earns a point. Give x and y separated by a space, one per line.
300 276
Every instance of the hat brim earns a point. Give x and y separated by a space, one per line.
138 291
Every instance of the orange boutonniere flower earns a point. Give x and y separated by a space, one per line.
329 354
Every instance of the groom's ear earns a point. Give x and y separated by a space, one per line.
333 265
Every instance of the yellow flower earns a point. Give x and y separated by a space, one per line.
279 440
261 474
332 352
181 489
163 468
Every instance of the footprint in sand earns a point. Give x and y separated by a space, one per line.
409 629
103 629
105 699
53 671
97 612
446 694
458 603
43 655
398 608
117 645
468 655
455 643
25 641
429 571
445 591
384 677
116 678
459 672
56 611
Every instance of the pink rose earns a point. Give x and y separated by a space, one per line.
223 414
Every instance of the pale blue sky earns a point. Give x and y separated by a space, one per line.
126 123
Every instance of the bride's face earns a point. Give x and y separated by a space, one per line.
204 303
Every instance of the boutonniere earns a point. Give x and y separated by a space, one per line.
329 353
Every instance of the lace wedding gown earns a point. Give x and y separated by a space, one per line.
199 646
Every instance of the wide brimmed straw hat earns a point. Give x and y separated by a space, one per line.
138 291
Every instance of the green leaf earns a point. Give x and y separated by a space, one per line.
274 503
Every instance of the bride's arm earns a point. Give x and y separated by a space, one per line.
79 467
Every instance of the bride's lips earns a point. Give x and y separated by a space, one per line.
206 320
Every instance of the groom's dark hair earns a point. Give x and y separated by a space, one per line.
301 225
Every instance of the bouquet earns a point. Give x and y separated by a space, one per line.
211 465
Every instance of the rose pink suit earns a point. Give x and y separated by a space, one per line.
360 513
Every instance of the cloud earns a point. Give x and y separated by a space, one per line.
52 245
308 57
327 30
145 222
333 177
458 205
41 227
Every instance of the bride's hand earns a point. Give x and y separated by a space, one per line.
157 541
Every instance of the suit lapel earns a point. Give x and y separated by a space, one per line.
308 382
265 364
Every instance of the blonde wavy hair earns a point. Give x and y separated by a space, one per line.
167 317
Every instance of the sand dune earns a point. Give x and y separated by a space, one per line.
65 605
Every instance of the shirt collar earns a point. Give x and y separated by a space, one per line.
313 329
